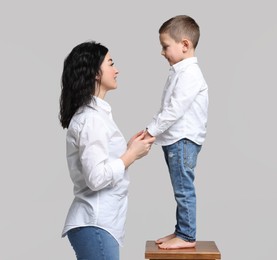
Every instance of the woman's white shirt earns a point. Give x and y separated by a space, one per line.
94 145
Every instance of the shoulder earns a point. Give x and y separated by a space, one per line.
192 72
85 116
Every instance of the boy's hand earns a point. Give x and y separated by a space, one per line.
147 136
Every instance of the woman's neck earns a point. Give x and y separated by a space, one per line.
100 94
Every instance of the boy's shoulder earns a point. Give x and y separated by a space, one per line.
192 70
191 74
185 64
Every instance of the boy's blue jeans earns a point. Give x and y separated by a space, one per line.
93 243
181 158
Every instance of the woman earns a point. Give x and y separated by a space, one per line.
97 154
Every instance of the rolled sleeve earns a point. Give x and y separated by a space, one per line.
98 168
117 169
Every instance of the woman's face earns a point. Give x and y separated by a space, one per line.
108 74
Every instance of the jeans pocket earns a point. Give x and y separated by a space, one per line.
191 151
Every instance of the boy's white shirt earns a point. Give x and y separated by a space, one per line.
184 106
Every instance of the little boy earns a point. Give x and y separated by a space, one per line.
180 125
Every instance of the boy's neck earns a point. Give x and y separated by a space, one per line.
190 53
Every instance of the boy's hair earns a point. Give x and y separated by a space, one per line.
181 26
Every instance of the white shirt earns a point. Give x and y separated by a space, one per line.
184 106
94 145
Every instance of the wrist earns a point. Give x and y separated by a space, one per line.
128 158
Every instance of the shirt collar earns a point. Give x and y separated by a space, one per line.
100 103
183 64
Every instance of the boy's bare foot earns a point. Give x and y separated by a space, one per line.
164 239
176 243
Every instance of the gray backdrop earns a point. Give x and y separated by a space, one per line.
236 172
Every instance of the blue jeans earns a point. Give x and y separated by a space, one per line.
181 158
93 243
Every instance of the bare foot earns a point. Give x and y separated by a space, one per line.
164 239
176 243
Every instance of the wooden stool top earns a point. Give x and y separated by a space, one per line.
202 250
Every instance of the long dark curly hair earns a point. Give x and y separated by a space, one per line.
78 81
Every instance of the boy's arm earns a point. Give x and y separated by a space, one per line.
181 99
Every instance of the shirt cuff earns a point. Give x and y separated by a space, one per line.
154 131
117 168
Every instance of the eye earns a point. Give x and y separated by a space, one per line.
112 64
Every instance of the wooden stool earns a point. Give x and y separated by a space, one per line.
203 250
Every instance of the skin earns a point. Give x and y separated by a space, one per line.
174 52
173 242
137 146
109 75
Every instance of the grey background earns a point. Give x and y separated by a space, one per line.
236 172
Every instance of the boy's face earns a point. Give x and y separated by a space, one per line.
171 50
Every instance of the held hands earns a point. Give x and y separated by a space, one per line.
134 137
137 147
147 135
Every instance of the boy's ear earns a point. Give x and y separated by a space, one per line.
186 44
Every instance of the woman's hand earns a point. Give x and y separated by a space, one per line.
134 137
137 148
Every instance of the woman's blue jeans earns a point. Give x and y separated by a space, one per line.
181 158
93 243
